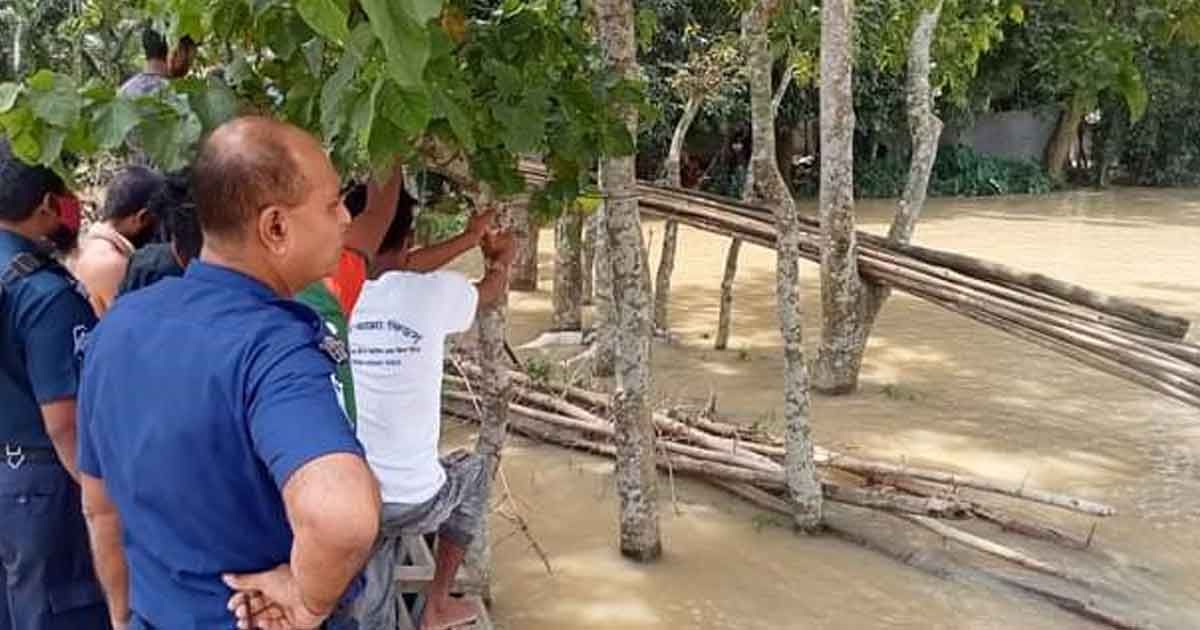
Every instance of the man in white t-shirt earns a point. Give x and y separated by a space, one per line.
397 339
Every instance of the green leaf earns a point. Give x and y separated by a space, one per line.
214 104
21 128
460 123
189 19
8 96
421 10
112 122
301 99
314 55
53 98
1016 13
326 17
363 117
334 91
647 27
405 40
166 140
283 31
52 144
387 143
409 110
1129 83
522 126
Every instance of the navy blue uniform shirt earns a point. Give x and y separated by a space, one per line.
201 395
43 318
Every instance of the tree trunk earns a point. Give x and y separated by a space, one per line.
568 274
804 489
588 259
496 393
836 368
525 267
17 47
1058 151
666 263
605 317
726 315
926 130
637 479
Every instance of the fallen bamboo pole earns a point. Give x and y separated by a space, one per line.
995 549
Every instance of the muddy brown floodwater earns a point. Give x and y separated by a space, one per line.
936 388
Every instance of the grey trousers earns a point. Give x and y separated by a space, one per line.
453 513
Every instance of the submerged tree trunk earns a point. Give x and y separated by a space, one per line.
637 477
725 316
1058 151
525 267
493 430
726 304
769 188
666 263
926 130
568 273
835 369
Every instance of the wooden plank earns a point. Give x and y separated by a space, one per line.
418 551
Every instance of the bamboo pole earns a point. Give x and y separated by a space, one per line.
995 549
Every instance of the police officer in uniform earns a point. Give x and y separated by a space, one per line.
46 577
220 476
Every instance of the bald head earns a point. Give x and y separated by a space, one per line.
246 165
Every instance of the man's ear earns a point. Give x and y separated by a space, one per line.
273 229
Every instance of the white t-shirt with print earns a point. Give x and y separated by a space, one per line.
397 344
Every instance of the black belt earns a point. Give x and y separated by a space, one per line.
17 456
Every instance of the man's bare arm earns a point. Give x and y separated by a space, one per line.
333 506
367 231
499 249
59 417
434 257
104 530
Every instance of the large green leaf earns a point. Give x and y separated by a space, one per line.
214 104
522 126
8 96
326 17
1129 83
334 92
421 10
53 98
405 40
386 144
363 117
408 109
112 122
52 144
21 128
460 123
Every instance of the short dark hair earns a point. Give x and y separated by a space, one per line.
153 44
244 166
401 225
354 197
22 186
130 191
176 213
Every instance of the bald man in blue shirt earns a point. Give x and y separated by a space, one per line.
211 438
